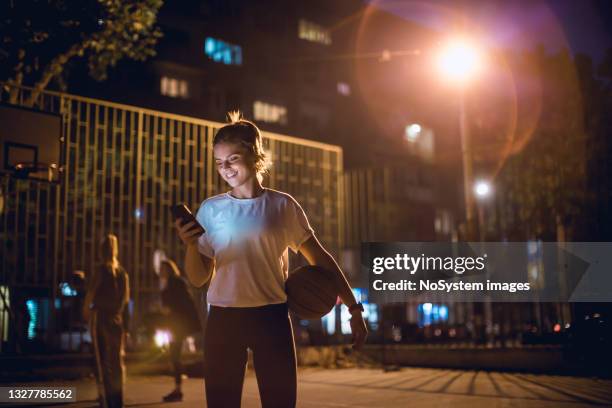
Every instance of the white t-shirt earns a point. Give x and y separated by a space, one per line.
249 239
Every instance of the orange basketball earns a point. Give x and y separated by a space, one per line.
311 292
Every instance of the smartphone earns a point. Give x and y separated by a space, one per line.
182 212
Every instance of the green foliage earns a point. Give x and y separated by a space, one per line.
38 38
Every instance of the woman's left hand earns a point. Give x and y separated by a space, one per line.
359 330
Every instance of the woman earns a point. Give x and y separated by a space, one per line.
243 253
182 317
107 295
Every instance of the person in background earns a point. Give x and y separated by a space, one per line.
107 295
182 316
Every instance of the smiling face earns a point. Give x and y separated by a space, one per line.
235 163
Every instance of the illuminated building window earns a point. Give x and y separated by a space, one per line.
310 31
329 322
32 307
267 112
432 313
535 263
5 304
174 88
220 51
38 311
343 88
370 314
67 290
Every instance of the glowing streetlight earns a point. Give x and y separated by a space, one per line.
162 338
413 131
458 61
482 189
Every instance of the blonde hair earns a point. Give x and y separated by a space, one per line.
109 251
247 134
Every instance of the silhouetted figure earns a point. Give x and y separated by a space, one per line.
182 317
105 301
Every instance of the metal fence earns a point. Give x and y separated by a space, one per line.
388 204
124 167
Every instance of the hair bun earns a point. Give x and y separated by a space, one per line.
234 116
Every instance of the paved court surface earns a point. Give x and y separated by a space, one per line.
409 387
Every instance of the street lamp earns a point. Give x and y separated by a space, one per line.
413 131
458 62
482 189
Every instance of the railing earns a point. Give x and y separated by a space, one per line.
124 167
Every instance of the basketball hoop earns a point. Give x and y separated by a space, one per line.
35 170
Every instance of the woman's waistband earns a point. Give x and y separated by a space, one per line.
281 307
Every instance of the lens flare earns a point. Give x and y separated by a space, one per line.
459 60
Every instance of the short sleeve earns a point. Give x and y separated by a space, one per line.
297 226
204 245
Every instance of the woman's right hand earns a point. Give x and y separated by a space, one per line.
188 232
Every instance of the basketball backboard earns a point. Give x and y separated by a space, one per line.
30 142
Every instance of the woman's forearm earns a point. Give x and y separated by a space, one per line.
199 268
315 254
344 289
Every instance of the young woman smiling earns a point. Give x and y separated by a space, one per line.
243 253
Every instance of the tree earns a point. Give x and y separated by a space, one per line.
39 38
544 184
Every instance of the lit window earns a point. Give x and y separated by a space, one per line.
313 32
32 307
329 321
220 51
370 313
5 304
344 88
269 113
67 290
429 314
174 88
345 316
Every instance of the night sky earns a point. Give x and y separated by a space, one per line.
582 26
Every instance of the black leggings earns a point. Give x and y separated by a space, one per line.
266 330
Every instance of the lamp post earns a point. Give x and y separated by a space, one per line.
458 62
483 190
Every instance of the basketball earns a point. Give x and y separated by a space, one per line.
311 292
